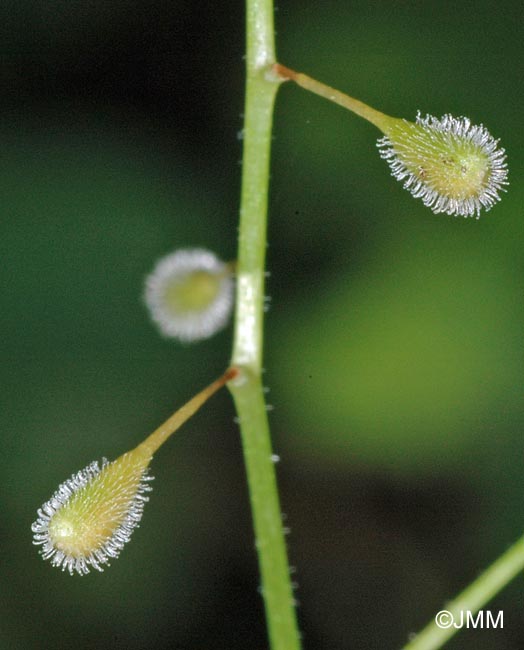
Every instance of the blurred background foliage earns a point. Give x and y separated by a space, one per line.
394 339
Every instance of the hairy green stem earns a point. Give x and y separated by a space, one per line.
261 89
472 599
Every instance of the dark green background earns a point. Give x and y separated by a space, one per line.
394 342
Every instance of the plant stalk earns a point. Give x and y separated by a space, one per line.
473 598
380 120
261 89
156 439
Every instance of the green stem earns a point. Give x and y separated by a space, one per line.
380 120
473 598
261 89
